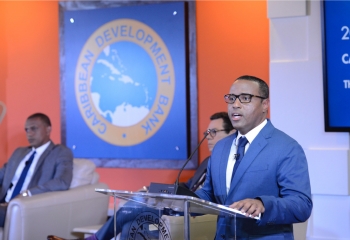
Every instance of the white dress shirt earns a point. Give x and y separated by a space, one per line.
232 157
39 152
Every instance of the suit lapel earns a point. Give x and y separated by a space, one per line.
12 166
223 165
41 160
18 160
254 149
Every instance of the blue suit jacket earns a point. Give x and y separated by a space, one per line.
274 169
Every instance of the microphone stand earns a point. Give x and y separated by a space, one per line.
189 158
176 188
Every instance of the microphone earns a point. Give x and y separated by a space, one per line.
236 156
176 188
189 158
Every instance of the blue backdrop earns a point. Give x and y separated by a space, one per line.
337 60
128 77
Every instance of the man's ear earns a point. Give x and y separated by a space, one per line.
48 130
266 104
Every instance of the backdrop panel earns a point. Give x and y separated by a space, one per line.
126 89
337 65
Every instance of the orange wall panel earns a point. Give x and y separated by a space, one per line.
233 40
3 68
32 81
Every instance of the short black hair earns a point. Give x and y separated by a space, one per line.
227 125
263 87
42 117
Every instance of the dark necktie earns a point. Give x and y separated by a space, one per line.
21 179
240 153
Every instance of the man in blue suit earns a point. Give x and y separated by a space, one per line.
259 170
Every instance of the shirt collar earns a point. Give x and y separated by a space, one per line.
251 135
41 149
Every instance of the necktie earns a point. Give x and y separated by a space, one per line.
21 179
240 153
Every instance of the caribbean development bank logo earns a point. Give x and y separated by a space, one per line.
140 228
124 82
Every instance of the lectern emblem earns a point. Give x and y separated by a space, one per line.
141 228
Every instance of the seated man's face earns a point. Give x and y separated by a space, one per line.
216 125
38 133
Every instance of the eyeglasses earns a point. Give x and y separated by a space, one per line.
212 132
31 129
243 98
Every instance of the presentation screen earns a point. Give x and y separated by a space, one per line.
336 56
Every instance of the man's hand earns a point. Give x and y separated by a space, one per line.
250 207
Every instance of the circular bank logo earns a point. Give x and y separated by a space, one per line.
124 82
147 226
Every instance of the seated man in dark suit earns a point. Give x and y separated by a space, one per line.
220 126
41 167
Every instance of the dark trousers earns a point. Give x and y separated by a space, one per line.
3 210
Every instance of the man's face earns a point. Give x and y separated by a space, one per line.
216 125
246 116
38 133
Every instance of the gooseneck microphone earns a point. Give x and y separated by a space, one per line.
189 158
176 188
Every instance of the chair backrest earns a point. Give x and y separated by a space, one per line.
83 173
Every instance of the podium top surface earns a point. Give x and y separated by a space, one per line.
171 201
